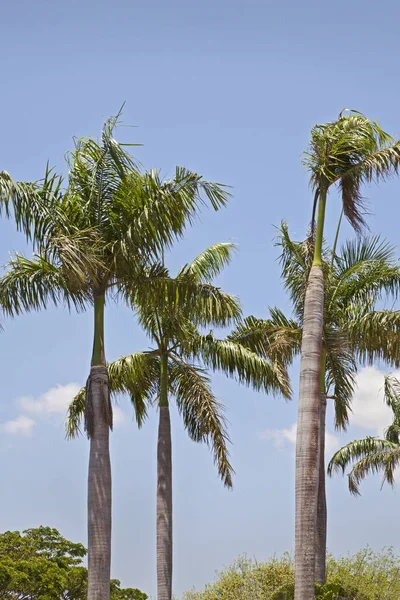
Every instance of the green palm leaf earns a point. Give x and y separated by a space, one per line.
202 414
207 265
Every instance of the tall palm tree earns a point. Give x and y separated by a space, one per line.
347 152
176 366
356 278
373 455
111 221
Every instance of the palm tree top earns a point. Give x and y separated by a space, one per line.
350 151
108 222
174 318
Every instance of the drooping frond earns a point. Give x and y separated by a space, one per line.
32 284
33 205
370 455
207 265
277 338
242 364
75 414
365 271
202 414
341 369
138 376
376 336
153 290
392 399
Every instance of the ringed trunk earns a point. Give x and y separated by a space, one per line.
307 442
321 534
164 491
98 421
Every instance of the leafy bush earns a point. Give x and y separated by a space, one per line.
40 564
367 575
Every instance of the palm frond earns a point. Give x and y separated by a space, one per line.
375 336
34 205
153 290
341 369
277 338
158 211
202 415
32 284
209 263
370 455
138 376
351 151
242 364
75 415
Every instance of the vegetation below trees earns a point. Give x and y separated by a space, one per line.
39 564
367 575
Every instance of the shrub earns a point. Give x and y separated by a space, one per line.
367 575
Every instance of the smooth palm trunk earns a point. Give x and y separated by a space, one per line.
164 492
98 418
320 540
307 443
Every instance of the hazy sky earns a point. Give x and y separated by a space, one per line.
230 89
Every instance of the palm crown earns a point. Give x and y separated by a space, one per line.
175 330
356 280
350 151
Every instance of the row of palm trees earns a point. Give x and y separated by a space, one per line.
103 233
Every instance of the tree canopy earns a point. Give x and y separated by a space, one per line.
40 564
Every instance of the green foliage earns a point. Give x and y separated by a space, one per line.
172 312
357 278
349 152
367 575
39 564
373 455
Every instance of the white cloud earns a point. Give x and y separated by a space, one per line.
22 425
281 438
55 401
119 417
369 410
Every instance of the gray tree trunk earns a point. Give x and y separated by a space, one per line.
320 540
164 507
98 418
307 442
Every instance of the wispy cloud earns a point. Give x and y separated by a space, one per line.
369 410
51 404
283 438
55 400
22 425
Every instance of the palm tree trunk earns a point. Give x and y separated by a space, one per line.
307 442
320 540
98 420
164 491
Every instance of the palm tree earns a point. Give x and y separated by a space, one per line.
348 152
176 366
111 221
372 455
31 204
355 280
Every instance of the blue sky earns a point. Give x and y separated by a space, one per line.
230 89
